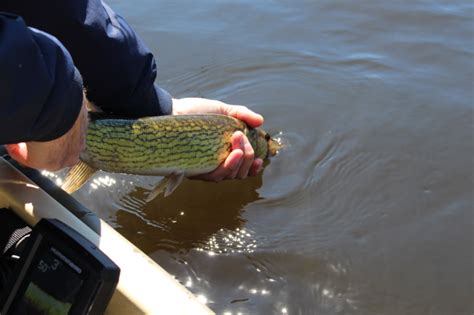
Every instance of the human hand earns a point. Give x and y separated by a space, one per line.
55 154
240 163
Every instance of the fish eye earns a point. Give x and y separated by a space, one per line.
267 137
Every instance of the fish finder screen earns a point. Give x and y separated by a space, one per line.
54 283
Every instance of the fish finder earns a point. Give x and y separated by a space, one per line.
60 272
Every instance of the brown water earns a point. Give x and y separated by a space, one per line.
370 210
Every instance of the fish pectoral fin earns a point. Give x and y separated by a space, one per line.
77 176
160 188
174 181
167 185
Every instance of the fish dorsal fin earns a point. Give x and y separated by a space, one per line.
77 176
166 185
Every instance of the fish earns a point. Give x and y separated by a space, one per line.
173 146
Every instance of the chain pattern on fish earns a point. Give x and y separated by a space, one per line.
193 144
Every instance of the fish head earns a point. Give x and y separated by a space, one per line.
263 144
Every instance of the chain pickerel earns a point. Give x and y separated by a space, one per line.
172 146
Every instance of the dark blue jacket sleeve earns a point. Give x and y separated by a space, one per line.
40 89
117 68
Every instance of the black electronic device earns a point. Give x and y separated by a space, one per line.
60 272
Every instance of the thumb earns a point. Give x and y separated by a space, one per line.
243 113
18 151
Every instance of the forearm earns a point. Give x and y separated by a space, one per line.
55 154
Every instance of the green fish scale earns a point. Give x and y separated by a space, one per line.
155 145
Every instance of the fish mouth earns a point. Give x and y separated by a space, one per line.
276 144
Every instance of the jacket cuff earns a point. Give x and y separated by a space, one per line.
64 101
165 101
61 109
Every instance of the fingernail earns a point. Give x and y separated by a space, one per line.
249 154
248 149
